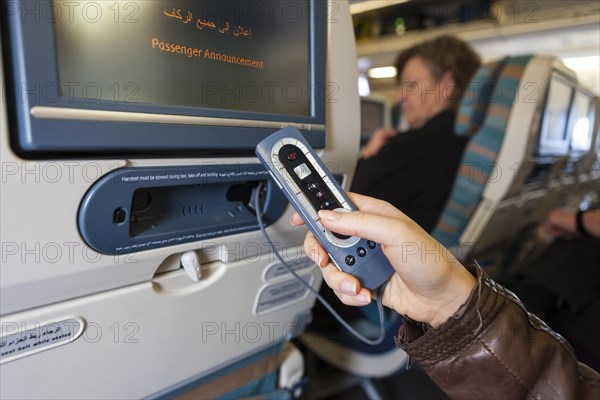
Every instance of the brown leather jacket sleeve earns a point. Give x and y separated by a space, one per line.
492 348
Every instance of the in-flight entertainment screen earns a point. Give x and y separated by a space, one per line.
243 55
554 136
178 77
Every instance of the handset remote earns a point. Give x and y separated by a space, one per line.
309 187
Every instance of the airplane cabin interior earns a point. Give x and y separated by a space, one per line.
133 264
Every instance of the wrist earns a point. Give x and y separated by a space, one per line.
459 293
580 223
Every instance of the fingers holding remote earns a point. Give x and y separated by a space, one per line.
375 206
296 220
315 251
365 204
346 287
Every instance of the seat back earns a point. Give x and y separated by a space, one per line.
475 102
482 150
219 326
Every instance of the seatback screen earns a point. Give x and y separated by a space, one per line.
582 121
250 56
557 111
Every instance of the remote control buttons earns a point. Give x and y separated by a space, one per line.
350 260
326 205
339 239
371 244
340 236
337 235
313 186
292 156
361 251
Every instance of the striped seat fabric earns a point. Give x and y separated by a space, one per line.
476 98
253 377
478 161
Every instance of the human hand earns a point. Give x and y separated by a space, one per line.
379 139
429 284
561 223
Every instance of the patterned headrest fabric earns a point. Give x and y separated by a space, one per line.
476 99
480 155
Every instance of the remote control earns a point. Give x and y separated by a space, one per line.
309 187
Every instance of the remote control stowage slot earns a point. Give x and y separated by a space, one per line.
309 187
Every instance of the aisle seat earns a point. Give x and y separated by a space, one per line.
481 152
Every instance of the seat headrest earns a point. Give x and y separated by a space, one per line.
475 101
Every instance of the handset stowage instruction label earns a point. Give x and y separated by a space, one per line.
310 187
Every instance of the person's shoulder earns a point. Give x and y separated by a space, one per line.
443 121
439 130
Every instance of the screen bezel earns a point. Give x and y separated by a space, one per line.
556 147
43 125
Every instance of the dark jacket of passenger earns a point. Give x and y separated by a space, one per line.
494 349
415 170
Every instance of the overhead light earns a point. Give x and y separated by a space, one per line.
382 72
363 86
364 6
587 62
